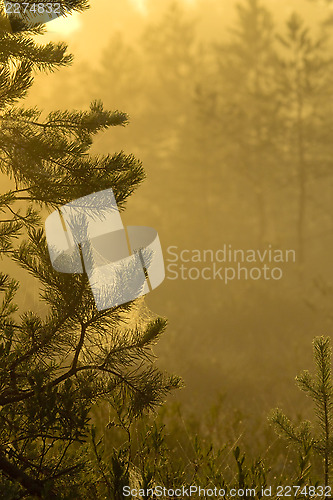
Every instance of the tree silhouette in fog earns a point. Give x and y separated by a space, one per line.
304 89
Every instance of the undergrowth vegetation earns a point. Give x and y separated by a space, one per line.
222 447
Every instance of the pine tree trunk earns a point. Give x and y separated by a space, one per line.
301 175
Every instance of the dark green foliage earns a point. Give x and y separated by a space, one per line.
304 436
55 366
232 105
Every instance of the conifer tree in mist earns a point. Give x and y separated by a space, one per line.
55 367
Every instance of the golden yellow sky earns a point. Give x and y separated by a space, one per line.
89 32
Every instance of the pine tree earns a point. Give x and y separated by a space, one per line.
54 367
319 388
304 86
239 108
170 55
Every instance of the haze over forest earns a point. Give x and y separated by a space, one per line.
213 117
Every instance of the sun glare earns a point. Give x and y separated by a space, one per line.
65 25
140 5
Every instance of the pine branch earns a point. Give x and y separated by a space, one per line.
320 389
33 486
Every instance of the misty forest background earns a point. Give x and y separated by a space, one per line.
231 113
228 118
